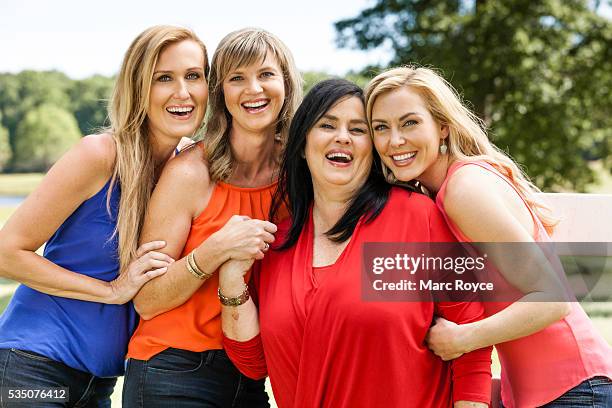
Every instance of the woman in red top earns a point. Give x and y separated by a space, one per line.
323 345
548 349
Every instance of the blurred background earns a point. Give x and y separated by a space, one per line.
539 72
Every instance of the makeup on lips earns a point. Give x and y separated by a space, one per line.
256 106
339 157
180 112
403 158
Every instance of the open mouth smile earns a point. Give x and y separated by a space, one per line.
180 111
256 106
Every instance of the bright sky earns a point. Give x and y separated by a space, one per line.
82 38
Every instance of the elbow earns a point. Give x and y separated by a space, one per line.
564 309
7 255
145 313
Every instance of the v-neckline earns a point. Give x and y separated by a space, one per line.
310 252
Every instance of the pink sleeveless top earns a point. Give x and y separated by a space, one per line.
539 368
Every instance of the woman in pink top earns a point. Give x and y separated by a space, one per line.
549 351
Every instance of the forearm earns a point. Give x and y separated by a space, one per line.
522 318
38 273
240 323
470 404
178 284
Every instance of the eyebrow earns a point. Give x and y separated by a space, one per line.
170 71
403 117
332 117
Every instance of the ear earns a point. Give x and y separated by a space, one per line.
444 131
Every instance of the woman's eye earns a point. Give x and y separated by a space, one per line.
164 78
326 126
235 78
410 122
267 74
380 128
358 130
193 75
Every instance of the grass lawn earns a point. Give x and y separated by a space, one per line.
19 184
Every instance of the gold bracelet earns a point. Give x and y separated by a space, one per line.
193 268
234 301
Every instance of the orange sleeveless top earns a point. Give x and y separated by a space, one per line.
196 324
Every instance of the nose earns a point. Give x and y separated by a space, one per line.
343 136
255 86
182 90
397 139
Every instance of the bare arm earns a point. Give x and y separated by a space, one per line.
240 323
60 193
477 206
182 193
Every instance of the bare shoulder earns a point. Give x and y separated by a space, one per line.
189 168
472 186
476 201
184 183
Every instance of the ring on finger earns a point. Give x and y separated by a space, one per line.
266 246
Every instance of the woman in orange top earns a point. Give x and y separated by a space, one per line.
209 206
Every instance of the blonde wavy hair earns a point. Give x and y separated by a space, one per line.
239 49
134 166
467 139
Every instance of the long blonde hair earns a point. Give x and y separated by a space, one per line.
134 166
467 139
238 49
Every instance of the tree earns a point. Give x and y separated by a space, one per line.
538 72
5 148
45 133
89 99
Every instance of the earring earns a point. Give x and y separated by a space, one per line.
443 147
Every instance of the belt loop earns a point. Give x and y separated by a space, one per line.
210 357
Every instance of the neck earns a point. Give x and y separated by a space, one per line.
256 157
162 151
328 208
434 176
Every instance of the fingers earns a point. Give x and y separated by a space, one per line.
150 246
154 273
269 227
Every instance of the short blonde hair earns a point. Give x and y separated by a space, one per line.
467 139
134 166
238 49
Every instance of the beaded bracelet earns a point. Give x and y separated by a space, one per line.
234 301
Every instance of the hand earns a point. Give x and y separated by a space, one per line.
243 238
149 265
444 338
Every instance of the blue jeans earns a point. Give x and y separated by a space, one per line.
25 370
595 392
180 378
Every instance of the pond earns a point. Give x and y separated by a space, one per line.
10 201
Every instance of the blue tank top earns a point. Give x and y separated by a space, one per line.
88 336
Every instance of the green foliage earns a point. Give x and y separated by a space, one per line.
89 100
538 72
5 147
44 134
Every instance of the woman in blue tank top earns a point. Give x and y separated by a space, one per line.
69 322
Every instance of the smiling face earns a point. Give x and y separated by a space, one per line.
179 92
339 149
254 95
407 137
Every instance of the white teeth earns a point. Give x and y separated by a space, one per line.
179 109
404 156
339 155
255 104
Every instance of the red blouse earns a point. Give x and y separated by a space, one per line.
326 347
